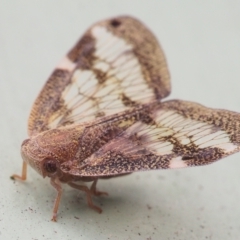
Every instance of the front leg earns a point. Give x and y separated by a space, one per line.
22 177
57 185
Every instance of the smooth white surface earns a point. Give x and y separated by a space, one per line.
201 40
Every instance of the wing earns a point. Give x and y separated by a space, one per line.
116 65
181 134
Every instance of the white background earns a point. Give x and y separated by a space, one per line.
201 40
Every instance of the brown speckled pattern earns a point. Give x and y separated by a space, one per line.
68 144
125 155
48 102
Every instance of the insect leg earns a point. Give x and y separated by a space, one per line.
94 190
23 177
88 194
57 185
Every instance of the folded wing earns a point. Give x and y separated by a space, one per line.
183 134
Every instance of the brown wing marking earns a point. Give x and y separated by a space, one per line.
183 134
48 102
149 54
112 68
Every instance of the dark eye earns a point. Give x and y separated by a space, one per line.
115 23
50 165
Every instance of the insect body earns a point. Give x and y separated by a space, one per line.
100 114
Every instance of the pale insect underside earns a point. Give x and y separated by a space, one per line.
100 114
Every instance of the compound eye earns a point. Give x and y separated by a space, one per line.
50 165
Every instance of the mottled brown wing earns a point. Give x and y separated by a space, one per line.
182 134
116 65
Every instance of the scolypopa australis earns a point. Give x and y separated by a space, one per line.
101 115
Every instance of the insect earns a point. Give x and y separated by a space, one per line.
101 115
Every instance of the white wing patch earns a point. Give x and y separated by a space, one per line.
172 129
177 162
188 131
66 64
103 66
115 57
90 95
108 46
150 137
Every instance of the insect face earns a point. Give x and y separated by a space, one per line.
31 154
